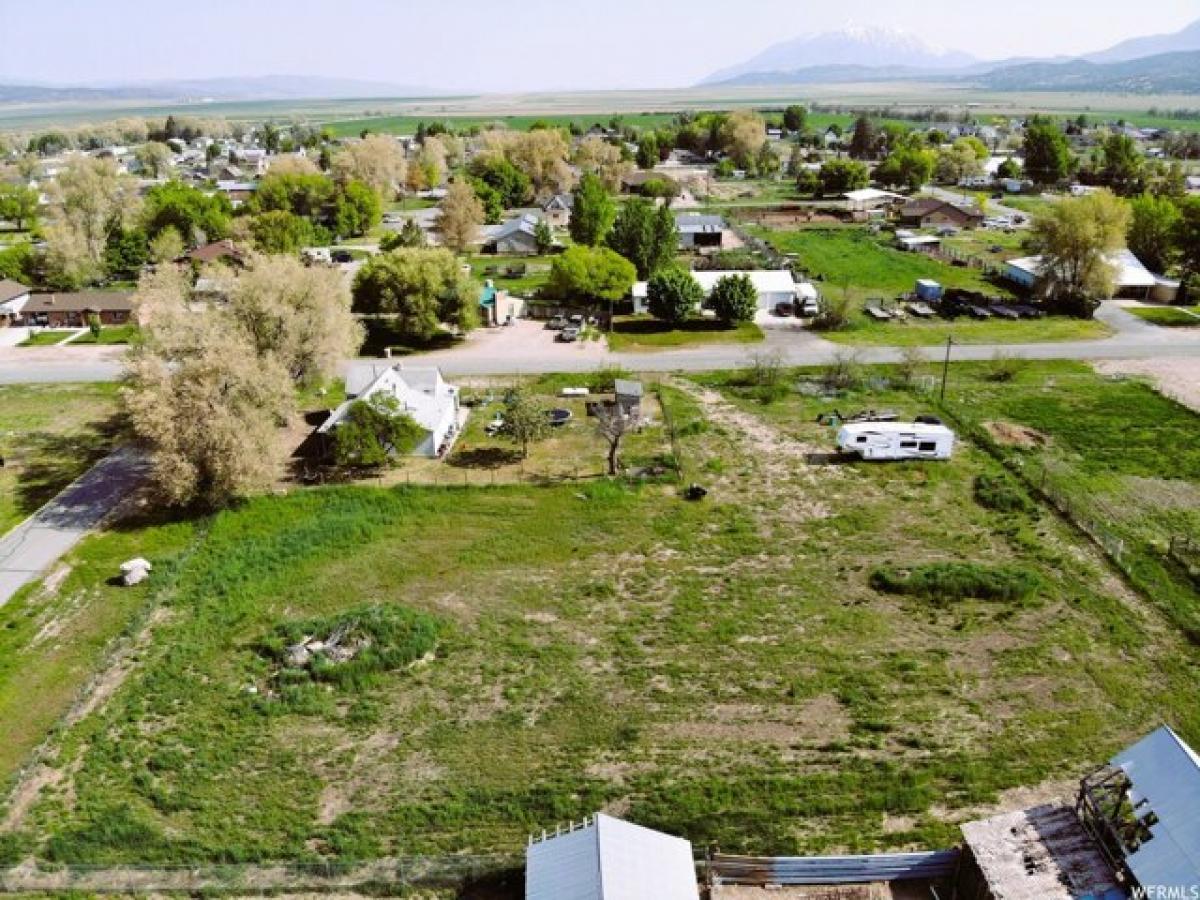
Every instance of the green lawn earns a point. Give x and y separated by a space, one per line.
1034 205
46 338
537 272
912 332
49 435
116 334
1169 316
723 670
647 333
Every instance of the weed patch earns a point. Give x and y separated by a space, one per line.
940 582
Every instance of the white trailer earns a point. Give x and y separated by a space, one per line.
896 440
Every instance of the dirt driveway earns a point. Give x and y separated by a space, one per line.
1178 378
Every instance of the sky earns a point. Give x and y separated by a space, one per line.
528 45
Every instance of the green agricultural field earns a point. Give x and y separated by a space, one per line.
766 669
408 124
1169 316
49 435
646 333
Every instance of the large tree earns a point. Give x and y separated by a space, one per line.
1187 243
511 185
837 176
646 235
154 158
742 135
593 212
540 154
673 295
194 215
590 276
865 140
1122 167
1152 231
906 166
376 160
419 289
461 217
734 299
795 118
1075 237
1047 154
90 199
19 205
596 156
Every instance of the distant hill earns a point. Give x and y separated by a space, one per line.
1184 40
1165 73
864 47
268 87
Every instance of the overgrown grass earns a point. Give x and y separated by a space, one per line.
1168 316
647 333
940 582
864 331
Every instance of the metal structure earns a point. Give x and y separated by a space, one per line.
795 870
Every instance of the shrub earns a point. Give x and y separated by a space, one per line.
734 299
1001 494
843 372
941 582
604 379
834 313
1005 367
673 295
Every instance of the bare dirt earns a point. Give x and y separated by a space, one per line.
1013 435
1178 379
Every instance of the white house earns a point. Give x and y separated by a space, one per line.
609 859
774 286
13 297
421 394
1131 278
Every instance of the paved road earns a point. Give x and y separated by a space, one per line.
527 348
33 546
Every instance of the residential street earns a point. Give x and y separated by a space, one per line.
528 348
32 547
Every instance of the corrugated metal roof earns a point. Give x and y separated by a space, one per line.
694 223
610 859
1165 773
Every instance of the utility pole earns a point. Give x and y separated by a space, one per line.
946 366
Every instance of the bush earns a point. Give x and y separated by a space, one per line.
673 295
844 372
1001 494
1005 367
942 582
734 299
604 379
834 313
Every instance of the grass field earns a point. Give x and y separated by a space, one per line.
49 435
537 272
408 124
117 334
864 331
1169 316
46 337
646 333
721 669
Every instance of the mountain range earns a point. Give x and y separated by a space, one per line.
1155 64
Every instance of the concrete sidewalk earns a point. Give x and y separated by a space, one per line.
32 547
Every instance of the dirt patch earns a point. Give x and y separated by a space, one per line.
1011 434
1178 379
821 719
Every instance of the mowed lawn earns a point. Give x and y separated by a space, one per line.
912 332
647 333
1168 316
49 435
723 669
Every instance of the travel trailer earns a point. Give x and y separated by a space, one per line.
896 440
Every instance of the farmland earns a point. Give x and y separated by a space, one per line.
722 669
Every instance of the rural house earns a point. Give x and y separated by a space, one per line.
421 394
774 286
697 232
13 297
73 309
557 210
605 858
930 212
516 237
1131 279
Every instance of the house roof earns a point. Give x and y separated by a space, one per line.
925 206
83 301
526 224
216 250
1165 777
1130 271
11 290
765 281
694 223
560 201
865 195
421 392
610 859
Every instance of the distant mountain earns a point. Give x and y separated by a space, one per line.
838 74
1164 73
267 87
1186 39
863 46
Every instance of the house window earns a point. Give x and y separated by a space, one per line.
861 440
928 447
908 445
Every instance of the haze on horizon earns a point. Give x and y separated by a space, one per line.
478 46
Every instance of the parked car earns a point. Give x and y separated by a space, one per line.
807 308
557 323
341 256
784 309
568 335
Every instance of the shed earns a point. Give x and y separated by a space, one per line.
698 231
606 858
629 396
1131 278
871 198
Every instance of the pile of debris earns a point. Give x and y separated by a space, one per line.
135 571
341 645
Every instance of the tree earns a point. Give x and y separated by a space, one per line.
279 231
596 156
1009 168
906 166
864 142
192 214
958 162
296 314
510 185
590 275
1074 239
293 164
91 198
165 246
1152 229
795 118
356 209
526 420
646 235
19 205
154 158
612 424
593 212
837 176
410 235
1048 157
205 404
647 152
541 155
374 432
543 237
419 289
306 195
95 326
734 299
742 135
1123 167
461 217
1187 243
673 295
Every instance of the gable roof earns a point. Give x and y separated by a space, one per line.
1165 776
225 249
82 301
560 201
693 223
925 206
11 290
421 392
526 224
610 859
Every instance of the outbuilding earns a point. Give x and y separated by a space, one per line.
878 441
1131 278
699 232
773 286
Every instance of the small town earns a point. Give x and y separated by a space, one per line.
724 480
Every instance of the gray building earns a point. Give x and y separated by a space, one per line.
698 232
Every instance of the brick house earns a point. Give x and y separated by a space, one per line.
72 310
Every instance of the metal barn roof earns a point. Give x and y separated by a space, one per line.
610 859
1165 773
